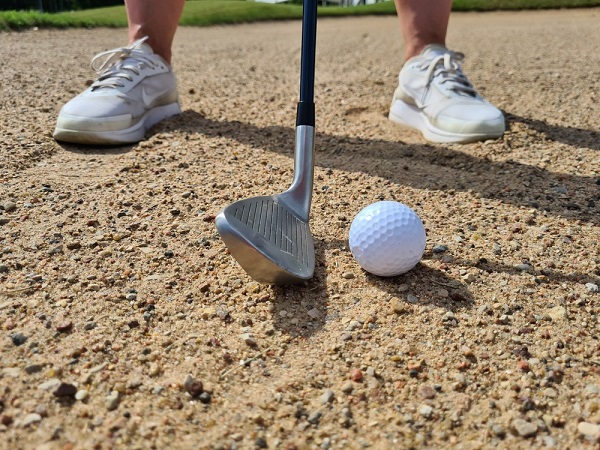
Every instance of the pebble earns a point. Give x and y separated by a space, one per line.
403 288
589 430
470 277
551 393
523 366
261 443
156 390
498 431
81 395
592 389
58 250
205 398
397 306
314 417
448 316
327 396
50 385
6 419
65 326
65 390
33 368
248 338
591 287
354 325
98 368
503 319
155 370
549 441
461 379
356 375
347 388
440 248
133 384
557 313
523 428
192 386
427 392
30 419
412 299
112 401
41 410
426 411
13 372
9 206
18 339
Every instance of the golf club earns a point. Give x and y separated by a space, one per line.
269 236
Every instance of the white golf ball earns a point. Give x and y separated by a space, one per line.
387 238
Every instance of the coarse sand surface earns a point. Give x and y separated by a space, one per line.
125 323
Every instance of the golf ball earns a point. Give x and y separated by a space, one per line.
387 238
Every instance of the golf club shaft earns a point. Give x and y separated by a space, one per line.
306 106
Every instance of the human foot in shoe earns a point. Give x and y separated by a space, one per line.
135 90
436 98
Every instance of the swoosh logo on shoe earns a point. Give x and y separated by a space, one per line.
147 99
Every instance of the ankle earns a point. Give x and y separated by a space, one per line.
157 45
415 48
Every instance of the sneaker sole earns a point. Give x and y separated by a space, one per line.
412 117
134 134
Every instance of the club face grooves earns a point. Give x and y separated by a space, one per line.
276 224
268 240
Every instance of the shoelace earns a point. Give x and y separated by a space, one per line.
120 63
447 68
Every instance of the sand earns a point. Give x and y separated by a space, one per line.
126 323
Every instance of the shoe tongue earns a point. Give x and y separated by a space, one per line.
140 44
433 50
146 48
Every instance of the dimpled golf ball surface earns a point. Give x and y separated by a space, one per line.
387 238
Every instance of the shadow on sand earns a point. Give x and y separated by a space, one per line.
521 185
572 196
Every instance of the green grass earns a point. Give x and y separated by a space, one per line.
215 12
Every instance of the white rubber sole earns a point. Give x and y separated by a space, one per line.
412 117
135 133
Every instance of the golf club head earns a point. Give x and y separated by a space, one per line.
269 235
271 243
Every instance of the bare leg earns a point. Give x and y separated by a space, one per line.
423 22
157 19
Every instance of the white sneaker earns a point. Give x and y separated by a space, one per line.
136 89
436 98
